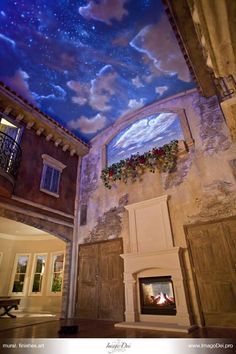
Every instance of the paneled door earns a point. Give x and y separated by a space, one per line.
212 250
100 281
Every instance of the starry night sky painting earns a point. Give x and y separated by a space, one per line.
143 135
86 63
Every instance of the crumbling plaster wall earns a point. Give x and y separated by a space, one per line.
202 188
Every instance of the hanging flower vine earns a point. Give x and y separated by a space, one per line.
163 158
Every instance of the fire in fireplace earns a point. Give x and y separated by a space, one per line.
157 296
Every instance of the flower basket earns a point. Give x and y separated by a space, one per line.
162 158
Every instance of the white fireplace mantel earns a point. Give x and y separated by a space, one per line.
149 225
151 253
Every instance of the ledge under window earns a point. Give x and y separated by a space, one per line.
56 195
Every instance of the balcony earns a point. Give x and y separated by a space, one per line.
10 157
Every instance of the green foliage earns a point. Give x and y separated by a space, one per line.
163 158
56 284
18 286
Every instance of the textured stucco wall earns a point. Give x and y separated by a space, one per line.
202 188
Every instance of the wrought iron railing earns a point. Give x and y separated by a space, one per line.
225 86
10 154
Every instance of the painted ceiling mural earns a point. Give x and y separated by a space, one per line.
87 63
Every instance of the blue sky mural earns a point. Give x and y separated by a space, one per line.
143 135
87 63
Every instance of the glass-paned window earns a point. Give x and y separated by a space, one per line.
40 263
57 272
143 135
20 273
50 179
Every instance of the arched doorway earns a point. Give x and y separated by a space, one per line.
34 267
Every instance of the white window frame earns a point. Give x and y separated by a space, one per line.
50 277
49 161
26 281
30 292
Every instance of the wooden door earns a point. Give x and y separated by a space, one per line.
87 305
213 254
100 282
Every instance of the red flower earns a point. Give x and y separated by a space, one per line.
130 163
142 159
111 172
158 152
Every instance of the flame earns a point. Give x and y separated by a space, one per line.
160 299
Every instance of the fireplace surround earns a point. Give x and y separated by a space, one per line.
150 255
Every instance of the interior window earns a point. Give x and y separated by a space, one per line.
40 263
57 272
20 273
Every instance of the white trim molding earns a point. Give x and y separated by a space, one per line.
51 273
58 166
48 160
27 275
43 207
33 272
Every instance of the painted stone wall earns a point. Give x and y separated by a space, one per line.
202 188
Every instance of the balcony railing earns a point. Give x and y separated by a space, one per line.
10 155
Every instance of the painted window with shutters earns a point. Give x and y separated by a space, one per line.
51 174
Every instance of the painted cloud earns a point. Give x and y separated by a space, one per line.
19 82
88 62
88 125
160 45
104 11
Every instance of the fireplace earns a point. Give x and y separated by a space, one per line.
155 280
157 296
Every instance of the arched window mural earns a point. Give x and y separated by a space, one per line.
143 135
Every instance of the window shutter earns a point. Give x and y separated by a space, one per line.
55 181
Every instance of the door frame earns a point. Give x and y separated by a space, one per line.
186 226
78 270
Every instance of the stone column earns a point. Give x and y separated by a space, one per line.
131 311
215 24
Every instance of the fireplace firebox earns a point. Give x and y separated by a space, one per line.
157 296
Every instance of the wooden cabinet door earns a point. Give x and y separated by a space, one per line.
100 281
212 250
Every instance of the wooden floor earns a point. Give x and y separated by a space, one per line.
35 328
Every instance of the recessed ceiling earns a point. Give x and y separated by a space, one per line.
87 63
17 229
